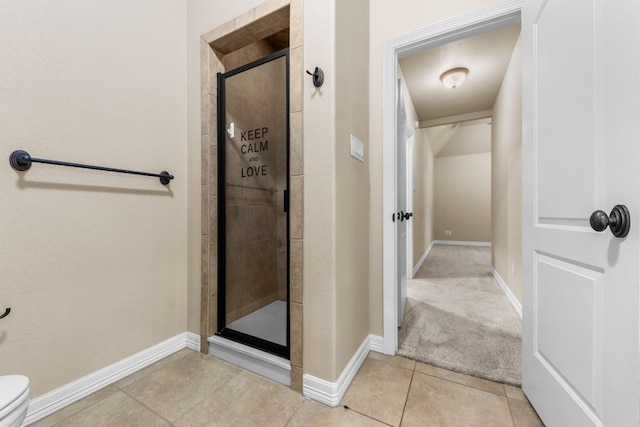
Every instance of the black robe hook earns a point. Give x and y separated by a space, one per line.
6 313
318 76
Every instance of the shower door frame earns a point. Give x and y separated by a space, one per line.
222 330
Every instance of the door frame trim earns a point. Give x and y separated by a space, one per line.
464 26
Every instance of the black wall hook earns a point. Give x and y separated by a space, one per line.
318 77
6 313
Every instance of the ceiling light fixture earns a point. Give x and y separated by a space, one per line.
454 77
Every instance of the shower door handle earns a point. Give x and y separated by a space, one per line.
286 201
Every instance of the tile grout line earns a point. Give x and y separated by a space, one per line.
146 407
404 408
295 412
513 420
365 415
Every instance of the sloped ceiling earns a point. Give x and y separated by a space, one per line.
487 57
460 139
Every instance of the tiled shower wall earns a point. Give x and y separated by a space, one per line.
235 43
255 219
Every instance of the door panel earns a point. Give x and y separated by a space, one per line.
580 145
401 191
564 197
253 219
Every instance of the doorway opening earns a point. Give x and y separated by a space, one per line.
429 38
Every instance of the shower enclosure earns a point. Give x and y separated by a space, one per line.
253 204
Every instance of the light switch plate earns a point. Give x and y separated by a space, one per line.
357 148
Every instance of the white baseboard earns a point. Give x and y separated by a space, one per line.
460 243
63 396
332 393
517 306
422 259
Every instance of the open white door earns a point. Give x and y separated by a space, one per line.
401 207
410 190
581 94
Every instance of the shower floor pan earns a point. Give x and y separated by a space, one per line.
268 323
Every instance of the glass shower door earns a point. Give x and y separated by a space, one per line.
253 221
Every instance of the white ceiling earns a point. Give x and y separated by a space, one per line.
486 56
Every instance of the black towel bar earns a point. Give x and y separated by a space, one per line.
21 160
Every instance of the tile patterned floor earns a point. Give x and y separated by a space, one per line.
190 389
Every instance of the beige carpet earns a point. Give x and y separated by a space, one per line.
458 318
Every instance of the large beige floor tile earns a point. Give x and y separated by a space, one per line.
179 386
515 393
247 400
400 361
136 376
436 402
76 407
313 414
523 414
116 410
459 378
379 390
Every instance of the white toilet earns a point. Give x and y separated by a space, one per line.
14 400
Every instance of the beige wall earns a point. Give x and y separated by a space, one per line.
462 198
389 19
423 196
507 177
93 264
352 180
336 316
319 124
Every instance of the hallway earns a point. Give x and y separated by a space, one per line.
190 389
458 318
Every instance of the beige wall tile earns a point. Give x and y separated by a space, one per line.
273 10
204 261
296 207
204 159
220 31
204 61
297 74
296 144
213 265
296 325
204 109
296 379
296 275
296 31
204 343
204 310
204 209
245 19
213 314
215 66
